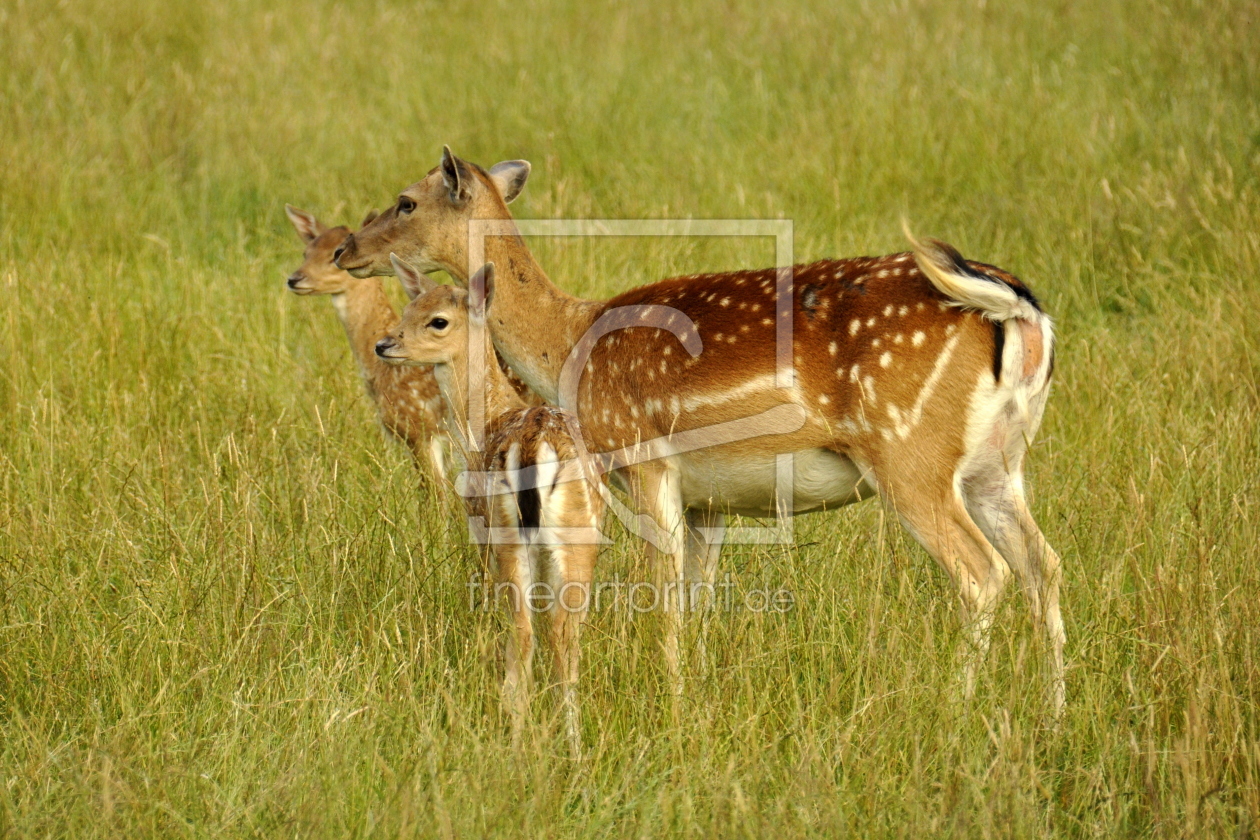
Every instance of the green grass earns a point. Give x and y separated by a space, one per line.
225 610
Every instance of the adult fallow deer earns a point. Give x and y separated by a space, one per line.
920 377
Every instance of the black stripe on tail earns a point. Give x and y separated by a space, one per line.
984 271
999 344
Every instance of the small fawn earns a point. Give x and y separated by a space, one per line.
542 500
407 399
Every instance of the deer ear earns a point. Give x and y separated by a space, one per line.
456 186
367 220
413 282
509 176
308 227
483 280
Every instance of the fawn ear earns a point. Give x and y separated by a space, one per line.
308 227
413 282
483 280
456 186
367 220
509 176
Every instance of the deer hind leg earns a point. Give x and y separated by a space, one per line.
570 574
996 502
706 529
512 583
436 453
935 514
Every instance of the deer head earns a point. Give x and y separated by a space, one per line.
318 274
434 326
428 224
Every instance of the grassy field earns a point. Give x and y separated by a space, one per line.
225 610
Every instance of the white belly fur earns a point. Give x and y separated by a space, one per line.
820 479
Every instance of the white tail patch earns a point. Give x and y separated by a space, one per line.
512 464
993 299
548 467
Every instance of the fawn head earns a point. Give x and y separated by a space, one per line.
428 225
318 274
434 326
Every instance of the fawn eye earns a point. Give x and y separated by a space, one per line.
438 323
405 205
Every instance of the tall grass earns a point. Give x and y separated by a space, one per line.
227 611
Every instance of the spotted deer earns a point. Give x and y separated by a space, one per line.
407 399
920 377
542 502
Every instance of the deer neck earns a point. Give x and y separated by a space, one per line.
367 315
534 323
499 397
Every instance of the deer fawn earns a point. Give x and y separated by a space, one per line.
919 376
407 399
543 502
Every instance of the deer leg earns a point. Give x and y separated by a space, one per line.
997 504
437 459
706 528
512 583
571 575
942 525
1047 564
658 495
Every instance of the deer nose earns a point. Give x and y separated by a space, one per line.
383 345
296 278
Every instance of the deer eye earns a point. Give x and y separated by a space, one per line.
438 323
405 204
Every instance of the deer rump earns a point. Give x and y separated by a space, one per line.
538 482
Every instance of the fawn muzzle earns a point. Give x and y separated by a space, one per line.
384 346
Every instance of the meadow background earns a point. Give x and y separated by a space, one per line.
226 611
